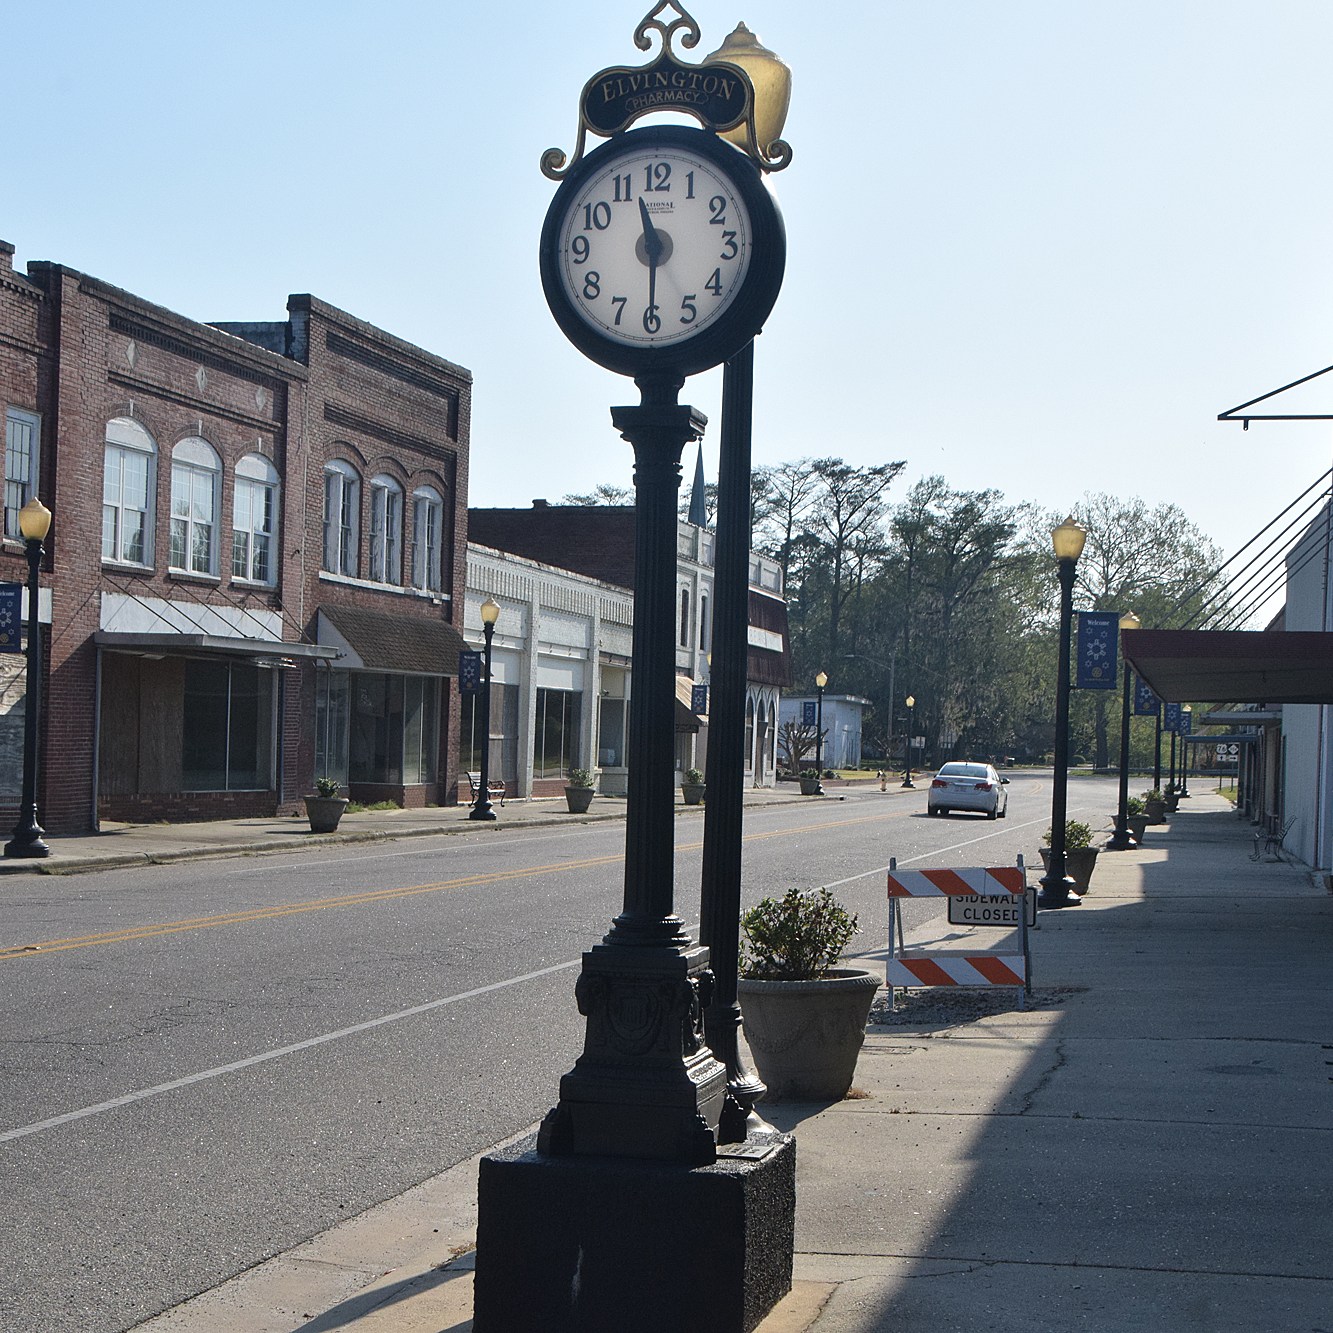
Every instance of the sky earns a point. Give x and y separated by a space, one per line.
1034 246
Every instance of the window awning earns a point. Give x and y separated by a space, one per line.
209 645
381 641
1234 666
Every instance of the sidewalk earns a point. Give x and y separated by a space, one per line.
154 844
1146 1147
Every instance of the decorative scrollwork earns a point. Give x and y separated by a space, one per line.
652 23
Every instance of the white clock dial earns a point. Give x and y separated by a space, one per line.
654 246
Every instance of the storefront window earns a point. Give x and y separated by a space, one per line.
611 734
332 709
556 742
227 734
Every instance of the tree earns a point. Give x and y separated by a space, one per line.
602 495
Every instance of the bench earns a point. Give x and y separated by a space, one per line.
494 787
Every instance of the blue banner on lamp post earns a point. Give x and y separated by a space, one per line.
1098 643
469 672
11 617
808 713
1146 702
699 700
1171 716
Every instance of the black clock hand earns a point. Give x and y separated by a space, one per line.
652 247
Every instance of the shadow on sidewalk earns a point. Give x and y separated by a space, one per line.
1146 1154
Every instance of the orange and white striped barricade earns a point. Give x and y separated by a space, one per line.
987 896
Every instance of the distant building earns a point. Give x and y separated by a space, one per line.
256 564
843 715
564 640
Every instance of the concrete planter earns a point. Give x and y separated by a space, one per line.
805 1036
578 799
1156 811
1080 862
693 792
1138 826
809 786
324 812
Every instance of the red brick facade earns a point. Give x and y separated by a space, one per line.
318 386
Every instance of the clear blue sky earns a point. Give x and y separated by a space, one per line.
1036 245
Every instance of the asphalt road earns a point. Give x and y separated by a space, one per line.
205 1064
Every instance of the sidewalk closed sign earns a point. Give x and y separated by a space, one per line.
976 910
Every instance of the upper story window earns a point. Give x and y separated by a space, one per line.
196 474
22 437
703 622
128 480
684 617
427 539
254 520
342 511
386 530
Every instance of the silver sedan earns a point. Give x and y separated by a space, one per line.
968 786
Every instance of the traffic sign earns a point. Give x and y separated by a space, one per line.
984 910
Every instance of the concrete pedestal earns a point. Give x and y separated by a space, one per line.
606 1244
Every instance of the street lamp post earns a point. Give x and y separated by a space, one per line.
910 701
1056 884
482 807
1185 711
820 681
1122 840
34 524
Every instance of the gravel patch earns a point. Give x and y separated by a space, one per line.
944 1007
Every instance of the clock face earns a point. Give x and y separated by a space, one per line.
655 249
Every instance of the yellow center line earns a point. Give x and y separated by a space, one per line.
151 930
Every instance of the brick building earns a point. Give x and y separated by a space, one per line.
256 564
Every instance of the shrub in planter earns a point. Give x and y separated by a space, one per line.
1080 854
810 785
325 808
693 786
804 1017
579 790
1154 806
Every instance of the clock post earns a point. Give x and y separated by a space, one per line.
661 256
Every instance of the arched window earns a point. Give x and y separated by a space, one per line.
749 735
254 520
196 471
342 515
386 530
772 737
703 622
129 477
684 617
427 539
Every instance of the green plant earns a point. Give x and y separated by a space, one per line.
797 937
580 777
1134 805
1153 794
1077 835
326 787
694 776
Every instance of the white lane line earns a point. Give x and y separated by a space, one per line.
145 1093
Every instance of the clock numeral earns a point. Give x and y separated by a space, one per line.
729 247
579 245
714 284
688 310
592 285
652 321
619 302
657 176
717 206
624 189
596 216
689 185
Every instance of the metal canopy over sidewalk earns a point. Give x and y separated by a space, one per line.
1234 666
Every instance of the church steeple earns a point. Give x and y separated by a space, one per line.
698 494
